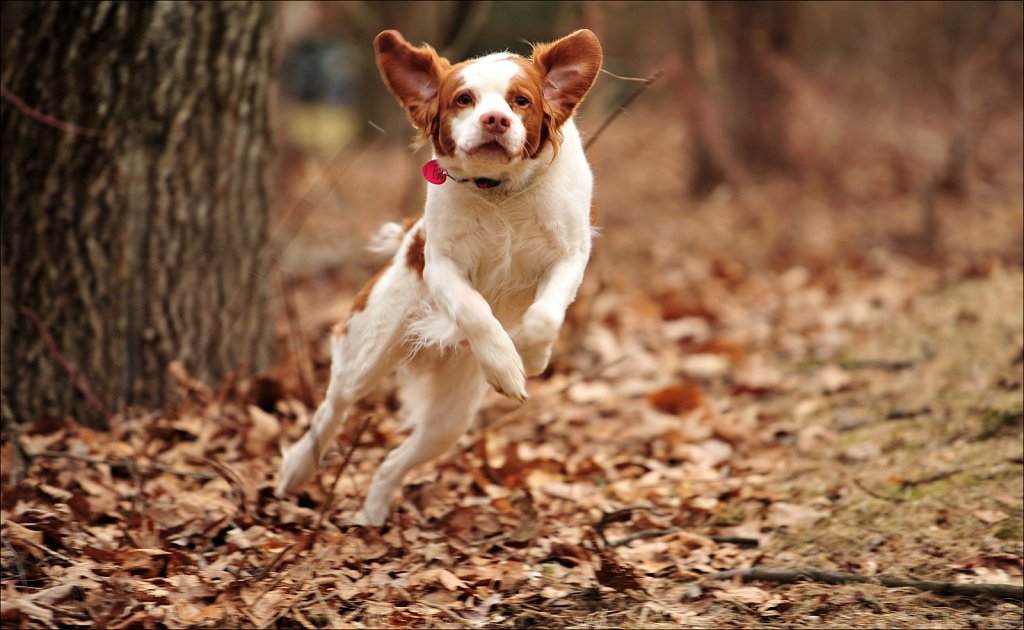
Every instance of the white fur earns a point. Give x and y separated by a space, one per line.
502 266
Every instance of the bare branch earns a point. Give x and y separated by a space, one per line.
625 105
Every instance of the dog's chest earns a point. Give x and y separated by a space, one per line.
505 254
511 252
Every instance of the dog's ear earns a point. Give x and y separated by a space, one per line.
412 74
569 67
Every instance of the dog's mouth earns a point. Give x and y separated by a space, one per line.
491 151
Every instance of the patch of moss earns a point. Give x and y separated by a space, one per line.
1010 530
996 421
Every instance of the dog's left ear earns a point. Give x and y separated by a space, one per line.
569 67
413 74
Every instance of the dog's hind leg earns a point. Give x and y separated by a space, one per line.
363 349
443 396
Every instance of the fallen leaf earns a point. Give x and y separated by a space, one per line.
792 515
834 379
743 594
677 398
990 516
264 431
615 575
704 366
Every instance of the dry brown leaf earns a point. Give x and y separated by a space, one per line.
834 379
742 594
676 399
704 366
265 431
990 516
792 515
615 575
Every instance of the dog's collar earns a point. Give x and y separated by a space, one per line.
435 174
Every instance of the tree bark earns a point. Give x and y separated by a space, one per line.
134 235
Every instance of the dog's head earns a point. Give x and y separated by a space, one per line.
489 113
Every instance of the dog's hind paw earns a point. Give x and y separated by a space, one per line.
298 466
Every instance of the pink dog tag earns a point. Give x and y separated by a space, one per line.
433 172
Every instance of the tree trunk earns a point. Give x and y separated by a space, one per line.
136 144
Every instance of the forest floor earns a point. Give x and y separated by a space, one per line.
766 380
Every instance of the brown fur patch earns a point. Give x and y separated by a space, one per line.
414 75
363 297
411 221
593 214
414 256
536 116
568 67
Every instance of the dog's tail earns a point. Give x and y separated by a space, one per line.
387 240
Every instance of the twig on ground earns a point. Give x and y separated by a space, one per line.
625 105
17 561
896 365
344 464
145 468
649 533
939 476
262 573
860 484
906 414
741 541
810 574
76 378
614 516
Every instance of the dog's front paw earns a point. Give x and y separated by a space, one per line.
503 369
535 358
298 466
535 338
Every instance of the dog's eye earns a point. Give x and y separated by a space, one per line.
521 101
464 99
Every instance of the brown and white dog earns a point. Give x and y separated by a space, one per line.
478 287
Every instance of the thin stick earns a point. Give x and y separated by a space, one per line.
625 105
337 476
859 484
17 561
810 574
76 378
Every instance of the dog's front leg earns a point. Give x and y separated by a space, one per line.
491 345
542 321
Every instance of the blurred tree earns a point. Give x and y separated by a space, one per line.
132 237
733 97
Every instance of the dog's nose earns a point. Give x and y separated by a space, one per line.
495 122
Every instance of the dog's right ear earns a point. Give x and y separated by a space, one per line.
412 74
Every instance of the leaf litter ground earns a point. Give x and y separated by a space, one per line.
744 382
